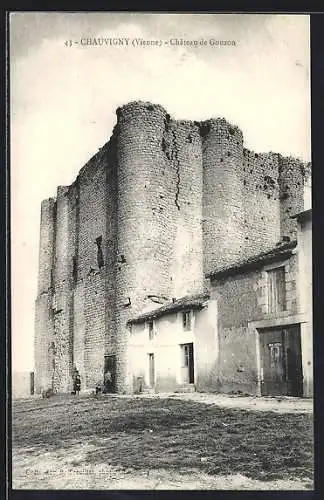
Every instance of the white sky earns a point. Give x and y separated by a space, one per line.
63 102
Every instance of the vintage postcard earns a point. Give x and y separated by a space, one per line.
161 229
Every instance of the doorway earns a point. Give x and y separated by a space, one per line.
151 370
281 364
187 363
110 373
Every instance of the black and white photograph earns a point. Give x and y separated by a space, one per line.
161 251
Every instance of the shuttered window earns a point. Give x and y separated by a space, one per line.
276 290
151 330
186 320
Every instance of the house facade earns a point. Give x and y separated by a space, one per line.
265 322
174 348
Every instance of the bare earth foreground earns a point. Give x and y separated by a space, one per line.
179 441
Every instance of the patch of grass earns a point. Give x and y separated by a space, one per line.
148 434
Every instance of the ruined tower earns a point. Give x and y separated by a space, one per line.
160 205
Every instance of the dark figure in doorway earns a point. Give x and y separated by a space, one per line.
293 374
108 381
77 383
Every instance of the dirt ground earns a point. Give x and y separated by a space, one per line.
283 404
67 467
55 471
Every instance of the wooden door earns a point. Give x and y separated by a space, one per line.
281 362
187 365
32 383
151 370
191 364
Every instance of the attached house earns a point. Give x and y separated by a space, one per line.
261 326
173 348
252 334
265 319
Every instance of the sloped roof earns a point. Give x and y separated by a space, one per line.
188 302
304 215
280 251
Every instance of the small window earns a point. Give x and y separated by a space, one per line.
151 330
74 268
186 320
276 290
100 259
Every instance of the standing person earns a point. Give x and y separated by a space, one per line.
108 381
75 372
77 383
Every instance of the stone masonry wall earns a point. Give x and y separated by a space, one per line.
160 205
185 154
43 305
110 247
159 215
144 244
61 306
241 299
223 214
92 225
75 320
47 245
43 338
72 255
293 175
95 264
261 204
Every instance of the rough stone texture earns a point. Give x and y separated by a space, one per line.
293 176
237 370
187 253
159 222
92 224
47 245
261 204
62 296
143 245
242 299
222 193
169 201
43 305
43 340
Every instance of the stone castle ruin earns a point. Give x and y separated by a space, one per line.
161 205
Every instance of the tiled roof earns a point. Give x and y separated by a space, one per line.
305 214
188 302
280 251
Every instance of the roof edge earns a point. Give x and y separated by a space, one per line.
187 302
305 214
255 262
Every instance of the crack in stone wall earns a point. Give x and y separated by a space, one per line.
177 165
170 148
